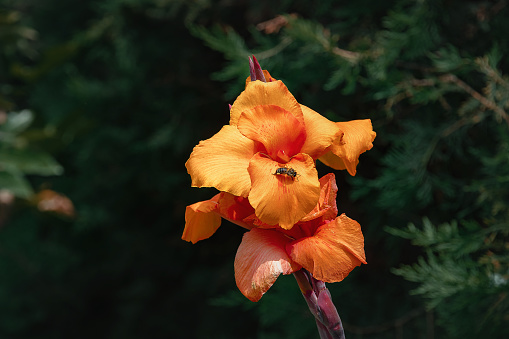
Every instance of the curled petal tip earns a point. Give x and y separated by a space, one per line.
252 69
255 70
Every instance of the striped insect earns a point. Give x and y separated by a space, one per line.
287 171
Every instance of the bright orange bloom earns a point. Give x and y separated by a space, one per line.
270 130
329 247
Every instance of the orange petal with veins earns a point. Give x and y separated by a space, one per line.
282 199
201 220
235 209
320 133
264 93
326 207
222 162
260 259
333 251
358 138
276 128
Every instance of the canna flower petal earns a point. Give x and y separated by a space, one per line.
235 209
260 259
332 160
321 133
326 207
276 128
264 93
201 221
332 252
256 222
222 162
358 138
281 199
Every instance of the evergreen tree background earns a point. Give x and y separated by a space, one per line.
103 101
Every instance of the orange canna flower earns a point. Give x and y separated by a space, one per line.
328 246
268 151
263 163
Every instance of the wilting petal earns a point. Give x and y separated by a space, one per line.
333 252
358 138
201 220
260 259
222 162
320 133
326 207
281 199
276 128
264 93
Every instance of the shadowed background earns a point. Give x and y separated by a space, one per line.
102 102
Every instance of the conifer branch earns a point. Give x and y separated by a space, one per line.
451 78
285 42
349 55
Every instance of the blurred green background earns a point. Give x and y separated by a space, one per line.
101 103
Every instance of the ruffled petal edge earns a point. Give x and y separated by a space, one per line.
260 259
332 252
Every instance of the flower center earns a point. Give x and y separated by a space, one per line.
277 129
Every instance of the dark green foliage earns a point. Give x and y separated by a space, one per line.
464 275
116 93
18 155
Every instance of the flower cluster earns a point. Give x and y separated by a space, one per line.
263 164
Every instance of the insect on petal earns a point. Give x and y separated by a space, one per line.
283 199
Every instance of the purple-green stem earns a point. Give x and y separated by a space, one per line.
320 304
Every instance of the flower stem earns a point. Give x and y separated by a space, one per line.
320 304
307 292
322 330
